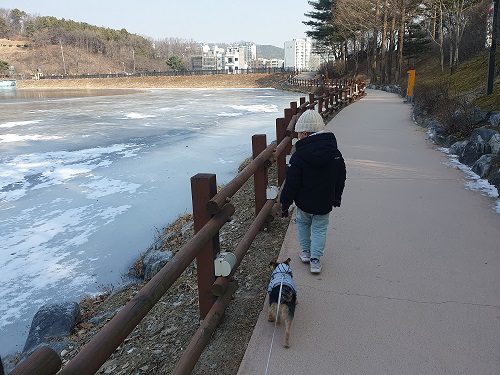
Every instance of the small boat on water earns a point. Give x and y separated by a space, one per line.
7 83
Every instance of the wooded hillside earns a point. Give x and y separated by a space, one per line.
57 46
384 38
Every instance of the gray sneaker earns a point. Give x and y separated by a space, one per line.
304 256
315 265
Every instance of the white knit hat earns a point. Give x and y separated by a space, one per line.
310 121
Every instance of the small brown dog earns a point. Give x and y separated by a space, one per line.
282 278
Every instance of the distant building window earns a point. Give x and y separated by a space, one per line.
235 59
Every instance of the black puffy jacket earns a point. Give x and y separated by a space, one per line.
316 175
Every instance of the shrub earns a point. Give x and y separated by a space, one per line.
430 98
457 116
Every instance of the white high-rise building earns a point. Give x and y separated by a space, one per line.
299 55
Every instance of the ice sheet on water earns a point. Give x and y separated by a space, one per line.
267 108
23 173
135 115
79 205
10 138
39 256
13 124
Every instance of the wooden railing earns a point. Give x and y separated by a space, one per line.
211 210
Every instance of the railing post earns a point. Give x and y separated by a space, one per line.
288 118
320 104
293 106
311 100
281 161
203 188
259 144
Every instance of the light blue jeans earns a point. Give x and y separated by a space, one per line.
312 232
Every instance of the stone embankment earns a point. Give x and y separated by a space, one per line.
481 151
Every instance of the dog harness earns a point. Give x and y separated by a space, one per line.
282 273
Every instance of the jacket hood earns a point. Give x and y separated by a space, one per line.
317 149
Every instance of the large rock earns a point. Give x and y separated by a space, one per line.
482 141
439 135
494 179
495 120
153 261
52 321
458 147
483 167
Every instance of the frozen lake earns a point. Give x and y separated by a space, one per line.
86 182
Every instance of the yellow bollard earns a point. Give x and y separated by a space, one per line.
411 83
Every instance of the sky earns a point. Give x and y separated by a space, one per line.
219 21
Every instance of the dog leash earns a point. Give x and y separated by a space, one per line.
275 324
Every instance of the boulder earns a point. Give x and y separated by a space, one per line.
495 120
439 135
50 322
494 179
482 141
458 147
484 165
153 261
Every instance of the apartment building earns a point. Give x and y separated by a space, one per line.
261 63
232 60
239 57
299 55
210 59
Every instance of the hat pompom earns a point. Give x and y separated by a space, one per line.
310 121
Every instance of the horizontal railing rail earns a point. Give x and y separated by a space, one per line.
211 210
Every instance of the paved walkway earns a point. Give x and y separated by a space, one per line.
411 272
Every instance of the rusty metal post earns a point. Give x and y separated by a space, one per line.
281 160
43 361
203 188
259 144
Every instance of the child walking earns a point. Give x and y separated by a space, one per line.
315 180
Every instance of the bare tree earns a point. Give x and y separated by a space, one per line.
457 19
